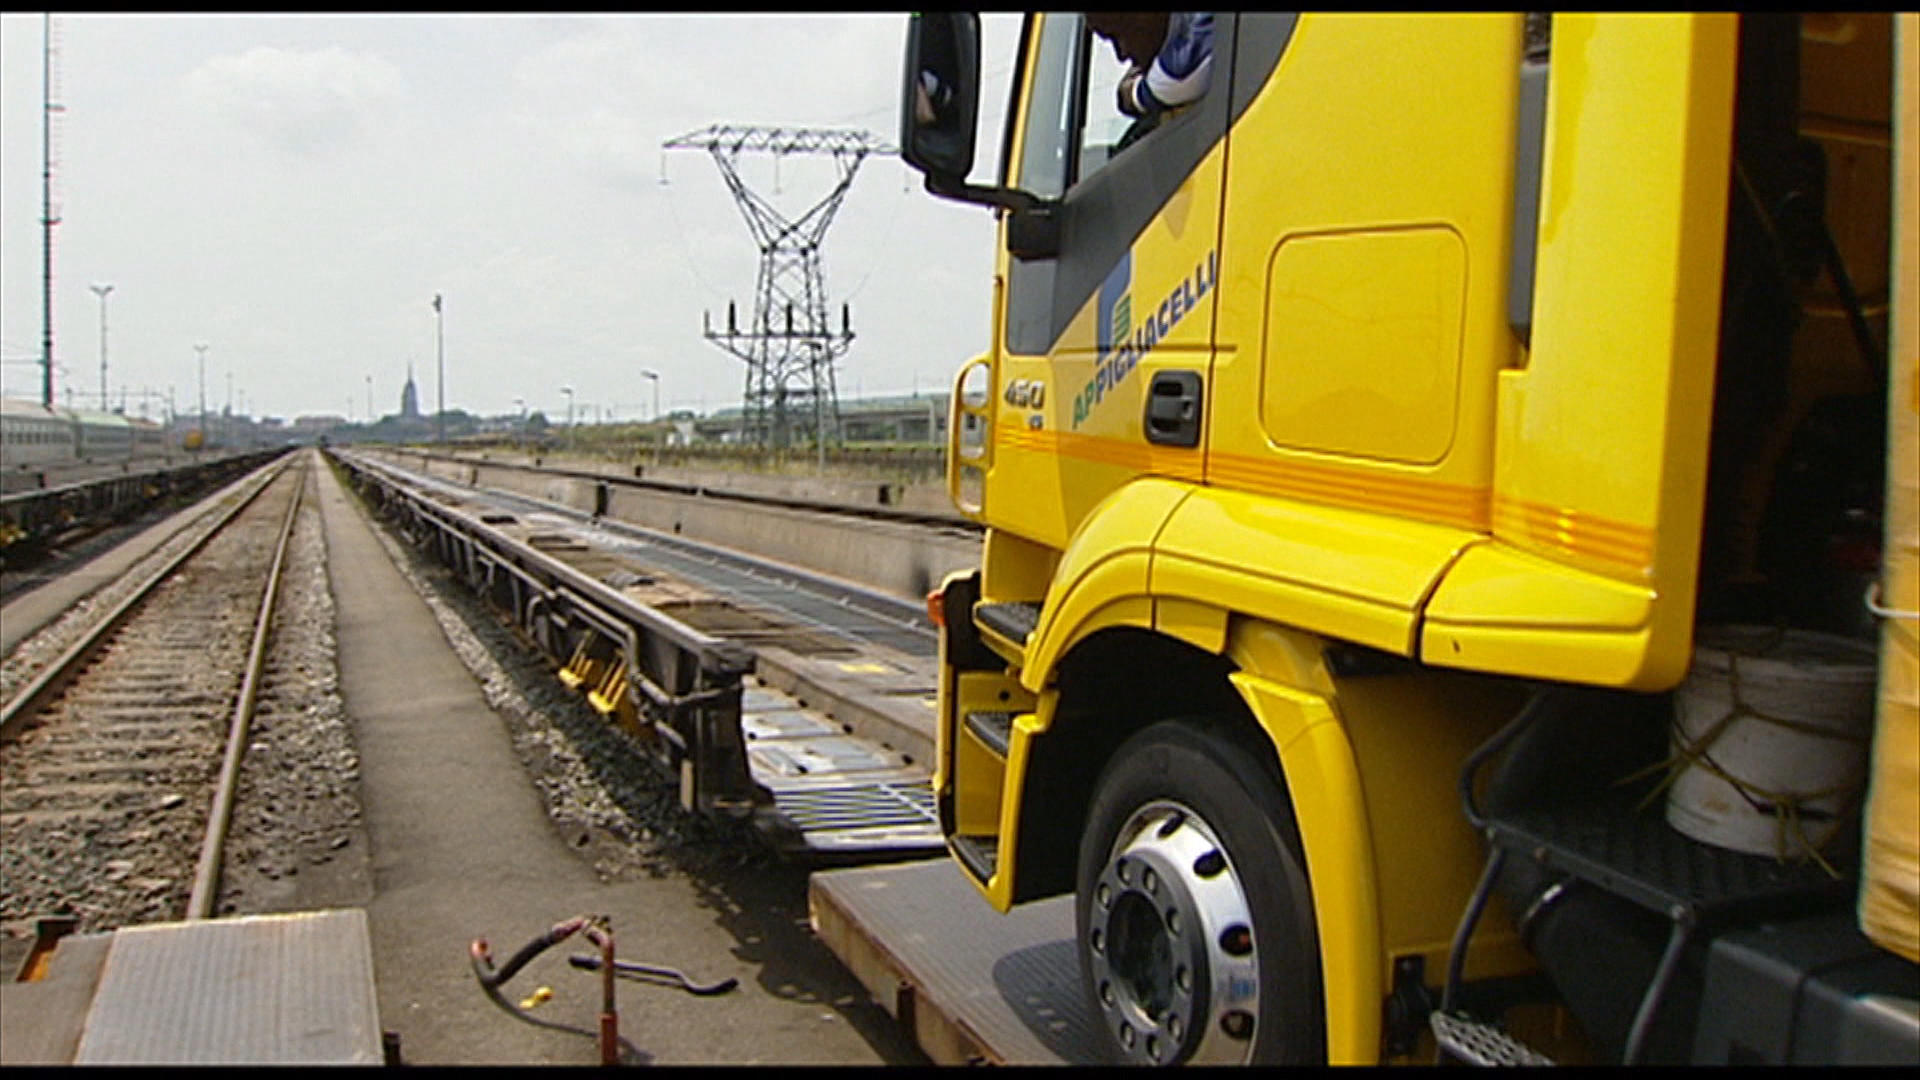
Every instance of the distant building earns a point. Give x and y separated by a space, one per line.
409 397
316 424
884 418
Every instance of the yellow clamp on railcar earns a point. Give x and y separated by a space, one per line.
610 694
583 668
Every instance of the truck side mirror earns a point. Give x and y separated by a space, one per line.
939 108
940 94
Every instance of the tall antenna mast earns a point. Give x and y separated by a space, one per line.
789 345
49 217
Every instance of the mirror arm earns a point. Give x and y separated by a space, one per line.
1003 198
1033 228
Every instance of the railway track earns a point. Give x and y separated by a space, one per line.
119 759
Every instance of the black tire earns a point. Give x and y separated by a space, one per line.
1162 993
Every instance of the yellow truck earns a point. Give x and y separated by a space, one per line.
1450 574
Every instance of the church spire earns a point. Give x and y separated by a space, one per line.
409 396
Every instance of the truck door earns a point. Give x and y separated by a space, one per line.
1122 314
1366 243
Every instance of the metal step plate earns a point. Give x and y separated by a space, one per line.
834 793
1475 1043
261 990
972 985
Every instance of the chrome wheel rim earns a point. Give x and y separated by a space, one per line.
1171 952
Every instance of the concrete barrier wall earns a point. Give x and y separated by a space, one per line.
889 558
570 492
927 497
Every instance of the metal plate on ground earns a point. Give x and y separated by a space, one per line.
761 699
779 723
837 755
978 986
881 817
40 1021
262 990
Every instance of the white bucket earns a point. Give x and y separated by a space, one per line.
1794 712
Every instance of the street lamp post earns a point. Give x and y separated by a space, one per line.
659 435
369 399
101 290
654 377
440 354
568 390
202 350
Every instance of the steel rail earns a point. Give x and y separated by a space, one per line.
206 877
54 676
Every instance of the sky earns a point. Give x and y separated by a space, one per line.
292 191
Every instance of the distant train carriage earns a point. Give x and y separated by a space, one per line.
103 437
149 438
33 436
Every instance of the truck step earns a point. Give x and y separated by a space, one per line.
993 729
1013 622
979 854
1475 1043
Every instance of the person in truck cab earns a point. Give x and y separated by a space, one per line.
1171 54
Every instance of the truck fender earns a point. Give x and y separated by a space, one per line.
1317 763
1107 561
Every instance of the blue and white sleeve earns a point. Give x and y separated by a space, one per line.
1181 72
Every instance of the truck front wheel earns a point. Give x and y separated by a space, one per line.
1195 925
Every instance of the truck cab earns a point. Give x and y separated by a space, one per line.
1370 449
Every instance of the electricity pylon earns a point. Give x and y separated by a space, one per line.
789 345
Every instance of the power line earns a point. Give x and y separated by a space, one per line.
686 249
887 249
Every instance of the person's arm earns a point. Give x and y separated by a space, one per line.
930 98
1178 76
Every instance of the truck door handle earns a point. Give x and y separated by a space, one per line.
1173 408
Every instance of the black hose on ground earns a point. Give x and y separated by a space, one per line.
491 980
